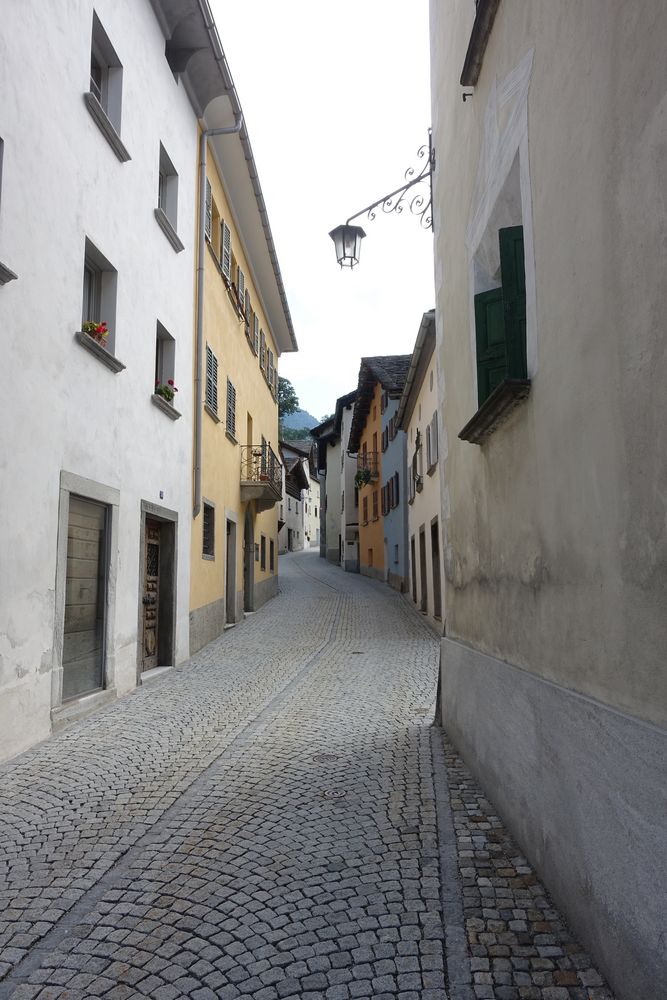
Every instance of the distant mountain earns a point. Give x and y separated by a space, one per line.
300 419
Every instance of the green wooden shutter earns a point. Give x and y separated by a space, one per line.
513 276
490 331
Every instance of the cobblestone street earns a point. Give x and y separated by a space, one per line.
263 822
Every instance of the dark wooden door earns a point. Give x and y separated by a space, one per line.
151 598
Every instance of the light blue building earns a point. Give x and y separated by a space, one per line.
395 491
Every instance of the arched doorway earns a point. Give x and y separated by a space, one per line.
248 562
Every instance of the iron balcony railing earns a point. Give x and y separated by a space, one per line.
259 464
368 460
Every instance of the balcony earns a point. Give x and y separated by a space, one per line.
261 476
368 468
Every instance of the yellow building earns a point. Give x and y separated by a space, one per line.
243 326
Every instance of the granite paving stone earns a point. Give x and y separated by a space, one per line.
265 822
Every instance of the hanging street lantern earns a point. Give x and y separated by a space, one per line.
347 240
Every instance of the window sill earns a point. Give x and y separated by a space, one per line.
481 29
212 414
101 353
231 437
166 407
168 230
494 410
106 127
6 274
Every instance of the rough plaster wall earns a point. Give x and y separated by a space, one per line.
67 411
556 555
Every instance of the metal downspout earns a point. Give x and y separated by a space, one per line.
201 249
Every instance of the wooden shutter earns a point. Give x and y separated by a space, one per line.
490 335
513 276
262 349
428 446
248 310
240 289
211 379
255 333
269 368
226 252
434 438
231 408
209 210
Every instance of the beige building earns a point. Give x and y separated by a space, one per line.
418 416
550 232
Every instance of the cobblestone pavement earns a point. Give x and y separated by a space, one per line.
263 823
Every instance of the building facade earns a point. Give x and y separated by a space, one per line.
418 417
245 327
95 494
339 540
550 227
379 377
393 494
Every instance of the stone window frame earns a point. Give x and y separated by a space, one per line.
87 489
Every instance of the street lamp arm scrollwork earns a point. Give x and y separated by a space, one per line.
347 238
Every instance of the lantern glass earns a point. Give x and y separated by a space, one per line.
347 241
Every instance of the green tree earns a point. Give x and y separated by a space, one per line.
288 401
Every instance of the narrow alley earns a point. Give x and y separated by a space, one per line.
278 818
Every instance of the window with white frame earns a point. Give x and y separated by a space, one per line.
211 396
99 297
231 409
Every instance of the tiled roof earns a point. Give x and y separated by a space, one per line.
390 370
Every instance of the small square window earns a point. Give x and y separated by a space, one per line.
166 212
208 540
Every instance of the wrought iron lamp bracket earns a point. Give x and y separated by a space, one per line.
419 203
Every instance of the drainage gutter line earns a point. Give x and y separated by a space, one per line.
201 250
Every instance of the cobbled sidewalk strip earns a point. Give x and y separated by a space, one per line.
520 947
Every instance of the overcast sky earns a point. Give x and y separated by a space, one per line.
336 102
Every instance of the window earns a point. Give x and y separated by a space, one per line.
432 444
342 501
165 356
289 503
272 555
364 508
262 550
240 288
99 293
316 512
269 367
500 319
208 527
256 551
255 333
211 397
375 505
395 493
103 98
395 553
231 409
262 349
166 212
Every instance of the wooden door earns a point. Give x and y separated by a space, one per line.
151 598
